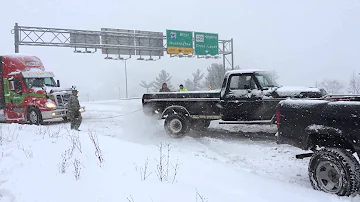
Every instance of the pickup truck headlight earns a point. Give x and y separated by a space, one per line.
50 105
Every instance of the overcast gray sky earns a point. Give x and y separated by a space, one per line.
304 41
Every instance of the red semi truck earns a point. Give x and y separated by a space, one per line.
28 93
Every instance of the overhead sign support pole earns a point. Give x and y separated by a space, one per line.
16 37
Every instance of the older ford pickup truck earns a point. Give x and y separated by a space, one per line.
246 97
331 130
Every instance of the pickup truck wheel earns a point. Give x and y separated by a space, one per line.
334 171
200 124
176 125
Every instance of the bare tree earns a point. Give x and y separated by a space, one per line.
331 86
273 75
354 86
146 85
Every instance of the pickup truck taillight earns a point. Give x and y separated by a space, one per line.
278 117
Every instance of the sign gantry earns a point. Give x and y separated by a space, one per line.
123 42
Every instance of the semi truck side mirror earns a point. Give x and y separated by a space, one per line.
58 83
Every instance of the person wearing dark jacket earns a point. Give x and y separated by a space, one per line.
164 88
74 110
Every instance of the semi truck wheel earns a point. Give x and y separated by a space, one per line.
200 124
34 116
176 125
335 171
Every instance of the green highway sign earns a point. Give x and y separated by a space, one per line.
206 43
179 42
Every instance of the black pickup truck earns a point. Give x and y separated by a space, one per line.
246 96
331 130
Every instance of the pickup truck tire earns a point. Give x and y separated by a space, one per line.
176 125
200 124
334 170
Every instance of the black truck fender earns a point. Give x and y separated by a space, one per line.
175 109
326 137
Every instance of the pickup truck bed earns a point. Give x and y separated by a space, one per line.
204 104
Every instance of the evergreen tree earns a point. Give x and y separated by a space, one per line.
146 85
189 85
197 77
163 77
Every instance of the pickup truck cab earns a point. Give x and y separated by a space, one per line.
246 96
330 129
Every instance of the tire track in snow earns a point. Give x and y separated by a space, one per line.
276 162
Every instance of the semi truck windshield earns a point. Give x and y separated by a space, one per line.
40 82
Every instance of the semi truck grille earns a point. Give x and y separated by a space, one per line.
62 100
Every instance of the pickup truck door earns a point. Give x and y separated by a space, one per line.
241 99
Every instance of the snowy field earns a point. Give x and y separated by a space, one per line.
122 155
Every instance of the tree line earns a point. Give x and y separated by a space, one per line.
334 86
199 81
216 72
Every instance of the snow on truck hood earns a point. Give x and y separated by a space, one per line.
295 90
50 90
56 89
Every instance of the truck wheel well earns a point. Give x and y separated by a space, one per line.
334 141
175 110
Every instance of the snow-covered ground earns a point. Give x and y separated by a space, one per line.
227 163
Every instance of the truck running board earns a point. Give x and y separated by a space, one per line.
302 156
247 122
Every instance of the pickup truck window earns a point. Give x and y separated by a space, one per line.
241 82
265 80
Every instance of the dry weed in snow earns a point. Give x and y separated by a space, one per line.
56 133
163 163
1 136
200 197
12 134
143 171
42 131
130 199
94 140
66 156
75 141
28 153
77 168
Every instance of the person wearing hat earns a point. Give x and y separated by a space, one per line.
182 89
74 110
164 88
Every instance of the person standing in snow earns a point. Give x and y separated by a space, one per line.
164 88
74 110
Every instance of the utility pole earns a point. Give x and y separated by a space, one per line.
119 93
126 83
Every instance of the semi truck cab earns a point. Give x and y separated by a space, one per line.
29 93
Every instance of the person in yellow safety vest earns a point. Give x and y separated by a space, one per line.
182 89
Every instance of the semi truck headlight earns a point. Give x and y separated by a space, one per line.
50 105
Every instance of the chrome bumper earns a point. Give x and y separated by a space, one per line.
58 113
